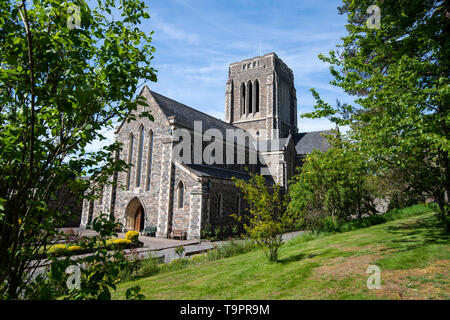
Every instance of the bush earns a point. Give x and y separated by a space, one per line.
199 257
121 243
179 250
58 249
125 275
176 264
267 216
230 249
328 224
133 236
74 248
206 232
217 232
235 231
149 267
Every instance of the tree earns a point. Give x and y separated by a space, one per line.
399 74
267 216
67 72
333 185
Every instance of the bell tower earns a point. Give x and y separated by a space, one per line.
260 97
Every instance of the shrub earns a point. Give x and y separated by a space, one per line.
206 232
58 249
329 224
179 250
125 275
199 257
123 243
149 267
133 260
230 249
176 264
74 248
235 231
267 214
133 236
217 232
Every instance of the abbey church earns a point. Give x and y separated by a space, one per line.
173 190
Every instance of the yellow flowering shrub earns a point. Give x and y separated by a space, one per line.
57 248
133 236
122 241
74 248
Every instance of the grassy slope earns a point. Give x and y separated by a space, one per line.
413 254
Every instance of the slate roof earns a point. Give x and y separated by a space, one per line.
211 171
306 142
273 145
216 172
186 116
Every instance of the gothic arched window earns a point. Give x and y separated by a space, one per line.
249 97
149 159
242 111
256 96
180 194
130 160
139 160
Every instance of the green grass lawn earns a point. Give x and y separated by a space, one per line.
412 253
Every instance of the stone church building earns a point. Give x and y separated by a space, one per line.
172 194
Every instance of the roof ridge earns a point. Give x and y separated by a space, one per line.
196 110
216 168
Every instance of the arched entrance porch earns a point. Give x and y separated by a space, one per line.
135 215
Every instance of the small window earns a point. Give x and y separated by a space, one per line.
180 194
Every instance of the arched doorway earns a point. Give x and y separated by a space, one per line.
135 215
139 219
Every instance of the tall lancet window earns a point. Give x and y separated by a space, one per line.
242 99
220 205
256 100
139 160
149 159
180 194
130 160
249 97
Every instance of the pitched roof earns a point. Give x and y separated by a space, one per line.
217 172
306 142
185 116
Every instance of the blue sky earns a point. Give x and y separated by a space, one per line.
195 42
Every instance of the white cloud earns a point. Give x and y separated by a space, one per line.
172 31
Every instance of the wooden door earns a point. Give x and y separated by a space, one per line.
137 219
